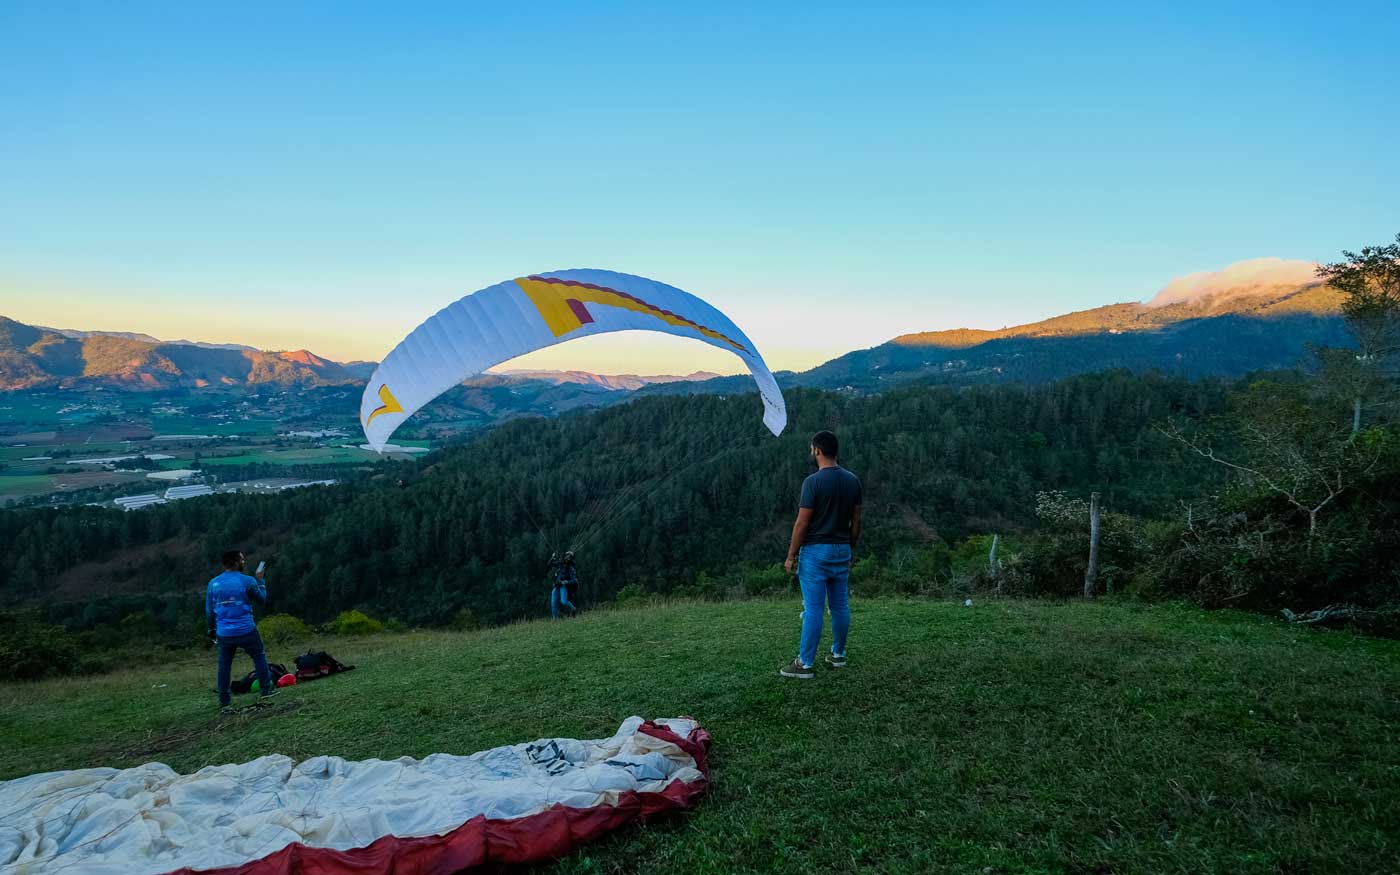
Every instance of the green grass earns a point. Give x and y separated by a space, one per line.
23 485
1010 737
78 448
300 456
13 455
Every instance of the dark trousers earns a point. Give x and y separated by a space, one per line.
251 644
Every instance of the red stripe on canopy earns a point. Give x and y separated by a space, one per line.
579 310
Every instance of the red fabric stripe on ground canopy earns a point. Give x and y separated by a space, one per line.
546 835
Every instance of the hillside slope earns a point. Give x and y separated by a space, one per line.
1270 303
1224 335
1227 333
651 493
1010 737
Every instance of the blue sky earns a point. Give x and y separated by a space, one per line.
326 175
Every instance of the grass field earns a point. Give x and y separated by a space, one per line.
26 408
299 456
1005 738
80 450
22 485
13 455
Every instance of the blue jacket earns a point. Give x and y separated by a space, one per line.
565 575
228 605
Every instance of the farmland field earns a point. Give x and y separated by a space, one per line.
210 426
24 485
299 456
19 485
223 430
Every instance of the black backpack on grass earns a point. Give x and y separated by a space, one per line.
319 664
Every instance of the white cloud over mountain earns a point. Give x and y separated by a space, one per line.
1238 280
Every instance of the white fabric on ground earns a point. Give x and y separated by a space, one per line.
149 819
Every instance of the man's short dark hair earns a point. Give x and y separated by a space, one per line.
230 558
825 442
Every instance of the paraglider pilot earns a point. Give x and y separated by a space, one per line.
564 591
827 528
228 613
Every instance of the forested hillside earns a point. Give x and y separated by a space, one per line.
1281 490
651 493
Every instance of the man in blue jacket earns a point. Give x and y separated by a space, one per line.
228 611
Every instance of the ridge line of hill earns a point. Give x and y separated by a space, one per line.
1294 316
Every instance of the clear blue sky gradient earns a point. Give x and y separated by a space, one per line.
329 174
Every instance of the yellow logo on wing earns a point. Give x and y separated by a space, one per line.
563 304
390 405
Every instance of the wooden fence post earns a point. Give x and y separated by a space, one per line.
994 567
1091 574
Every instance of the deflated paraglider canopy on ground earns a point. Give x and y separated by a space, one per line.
521 803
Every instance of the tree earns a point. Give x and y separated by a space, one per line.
1370 279
1290 443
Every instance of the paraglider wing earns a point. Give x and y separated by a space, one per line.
512 318
524 803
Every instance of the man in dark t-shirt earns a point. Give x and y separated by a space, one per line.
827 528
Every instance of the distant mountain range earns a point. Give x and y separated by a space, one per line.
144 338
1245 318
1225 332
33 356
1254 315
612 382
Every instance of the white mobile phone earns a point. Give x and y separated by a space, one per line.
261 566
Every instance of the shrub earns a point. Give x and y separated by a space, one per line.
865 570
354 623
465 620
283 629
31 649
769 580
905 570
1252 551
1051 561
631 596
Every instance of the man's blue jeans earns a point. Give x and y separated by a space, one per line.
251 644
824 570
559 600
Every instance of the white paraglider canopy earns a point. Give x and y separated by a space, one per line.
510 319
